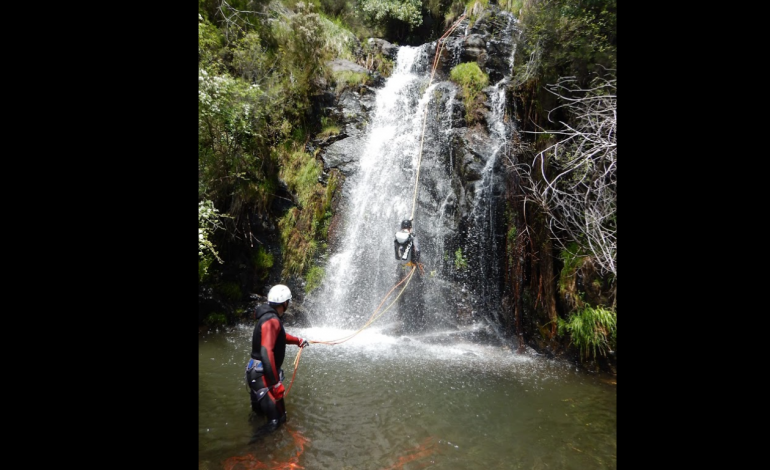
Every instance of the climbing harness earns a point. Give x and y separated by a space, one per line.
254 370
414 266
402 236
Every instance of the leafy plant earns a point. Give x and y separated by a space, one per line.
460 262
208 222
593 330
382 11
250 58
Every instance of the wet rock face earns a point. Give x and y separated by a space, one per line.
455 158
383 47
488 42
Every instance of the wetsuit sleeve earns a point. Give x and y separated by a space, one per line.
291 339
395 245
415 250
270 330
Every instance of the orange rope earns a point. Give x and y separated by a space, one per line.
425 114
371 320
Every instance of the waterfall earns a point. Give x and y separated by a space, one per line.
404 148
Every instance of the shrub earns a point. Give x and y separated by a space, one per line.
592 330
472 80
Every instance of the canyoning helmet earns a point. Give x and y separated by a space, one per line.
406 223
278 294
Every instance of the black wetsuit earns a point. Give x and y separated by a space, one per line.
409 247
410 312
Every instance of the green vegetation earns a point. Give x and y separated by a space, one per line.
374 60
231 291
460 262
262 262
450 14
564 38
347 79
472 80
573 259
208 222
215 319
474 9
261 66
329 127
388 11
593 330
339 41
314 277
564 85
256 80
514 6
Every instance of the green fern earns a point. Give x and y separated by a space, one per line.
593 330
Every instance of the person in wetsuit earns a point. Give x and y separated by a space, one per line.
264 375
405 243
411 315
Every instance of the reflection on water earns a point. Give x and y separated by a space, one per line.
384 402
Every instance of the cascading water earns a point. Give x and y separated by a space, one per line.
433 396
378 196
407 167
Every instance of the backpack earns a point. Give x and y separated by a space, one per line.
404 240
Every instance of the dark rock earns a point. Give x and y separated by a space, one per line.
383 47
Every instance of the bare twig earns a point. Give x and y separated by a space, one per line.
577 182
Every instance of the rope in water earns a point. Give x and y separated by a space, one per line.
439 47
371 320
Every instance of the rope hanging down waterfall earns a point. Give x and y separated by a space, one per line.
405 281
439 46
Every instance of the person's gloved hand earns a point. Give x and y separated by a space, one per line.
276 393
303 342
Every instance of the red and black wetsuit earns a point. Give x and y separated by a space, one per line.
268 345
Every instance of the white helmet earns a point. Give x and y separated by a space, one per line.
279 294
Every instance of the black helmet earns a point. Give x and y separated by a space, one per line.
406 223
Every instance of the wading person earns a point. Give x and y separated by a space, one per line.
264 375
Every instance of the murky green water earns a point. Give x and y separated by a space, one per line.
384 402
